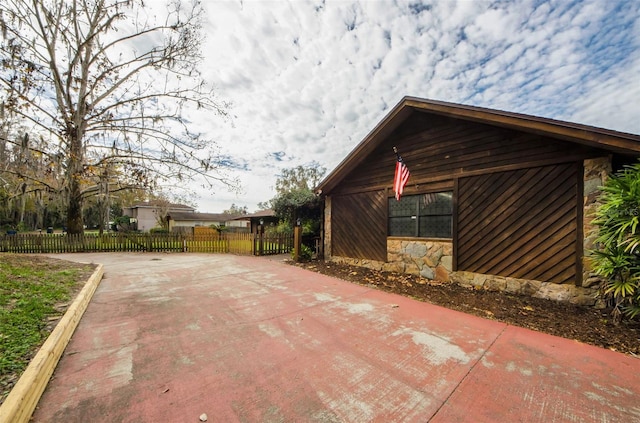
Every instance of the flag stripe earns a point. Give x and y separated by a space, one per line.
401 177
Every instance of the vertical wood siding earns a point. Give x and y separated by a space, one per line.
359 225
520 223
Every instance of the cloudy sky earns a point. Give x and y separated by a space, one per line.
308 80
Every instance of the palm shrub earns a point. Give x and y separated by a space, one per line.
617 258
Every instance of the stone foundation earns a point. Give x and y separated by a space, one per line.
433 260
436 266
547 290
428 259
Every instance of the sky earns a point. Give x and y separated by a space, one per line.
308 80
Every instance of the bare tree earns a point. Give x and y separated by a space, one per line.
109 83
236 210
25 175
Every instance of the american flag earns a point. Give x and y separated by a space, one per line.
401 177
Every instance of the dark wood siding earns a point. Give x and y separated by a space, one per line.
515 199
359 225
437 148
520 223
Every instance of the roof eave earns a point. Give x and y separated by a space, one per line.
388 124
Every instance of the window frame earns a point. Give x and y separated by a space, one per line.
417 216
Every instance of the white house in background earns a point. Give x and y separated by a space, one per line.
181 219
145 214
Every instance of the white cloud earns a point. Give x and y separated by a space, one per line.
311 79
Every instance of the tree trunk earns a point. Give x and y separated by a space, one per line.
40 211
23 202
101 226
103 203
75 223
74 210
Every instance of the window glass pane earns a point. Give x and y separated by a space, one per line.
405 207
435 226
402 226
438 203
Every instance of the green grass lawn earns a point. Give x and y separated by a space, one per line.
35 291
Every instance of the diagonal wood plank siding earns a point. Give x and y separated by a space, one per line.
520 223
359 225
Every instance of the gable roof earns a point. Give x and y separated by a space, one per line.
617 142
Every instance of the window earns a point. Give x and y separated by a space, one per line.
425 215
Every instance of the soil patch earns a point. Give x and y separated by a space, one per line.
584 324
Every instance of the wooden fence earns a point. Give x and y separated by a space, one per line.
234 243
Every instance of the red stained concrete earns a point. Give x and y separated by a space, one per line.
169 337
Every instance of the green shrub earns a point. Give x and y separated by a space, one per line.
122 223
158 231
305 254
617 258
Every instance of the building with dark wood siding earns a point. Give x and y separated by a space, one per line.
495 199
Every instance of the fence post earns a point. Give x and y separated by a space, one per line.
254 244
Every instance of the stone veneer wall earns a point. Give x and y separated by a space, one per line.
432 259
596 172
429 259
327 228
547 290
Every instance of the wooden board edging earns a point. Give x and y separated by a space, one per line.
23 398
